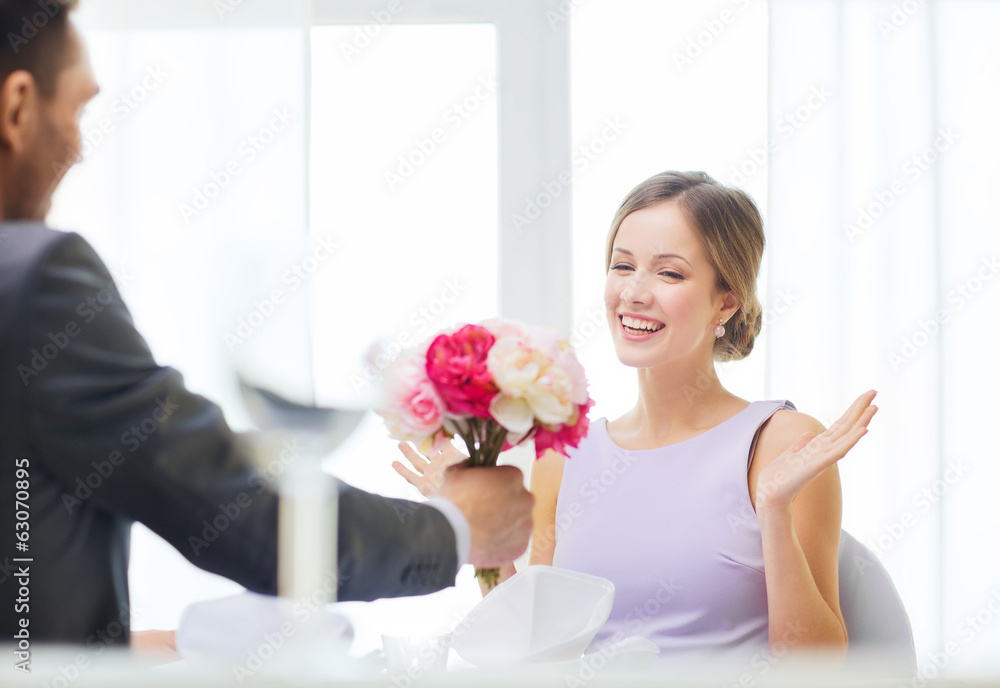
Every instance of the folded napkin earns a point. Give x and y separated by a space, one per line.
542 614
249 629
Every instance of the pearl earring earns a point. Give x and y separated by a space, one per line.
719 329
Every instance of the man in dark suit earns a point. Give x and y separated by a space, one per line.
95 435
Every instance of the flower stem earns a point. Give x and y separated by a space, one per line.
488 577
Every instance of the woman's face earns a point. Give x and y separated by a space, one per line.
660 294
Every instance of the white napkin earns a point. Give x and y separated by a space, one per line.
248 627
542 614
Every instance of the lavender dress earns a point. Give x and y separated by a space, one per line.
674 529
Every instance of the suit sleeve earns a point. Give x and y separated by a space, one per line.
166 457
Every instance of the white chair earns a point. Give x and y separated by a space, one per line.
877 624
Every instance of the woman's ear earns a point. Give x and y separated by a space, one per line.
729 306
18 99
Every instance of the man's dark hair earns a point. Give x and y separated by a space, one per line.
33 37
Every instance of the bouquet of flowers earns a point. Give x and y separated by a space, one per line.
495 385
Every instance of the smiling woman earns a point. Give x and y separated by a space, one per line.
730 233
682 259
736 504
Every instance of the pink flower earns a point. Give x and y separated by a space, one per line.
568 361
456 365
560 438
411 406
543 339
502 328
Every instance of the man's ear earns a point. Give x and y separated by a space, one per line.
18 99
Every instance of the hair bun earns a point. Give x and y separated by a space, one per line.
742 331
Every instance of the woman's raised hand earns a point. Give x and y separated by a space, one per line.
782 479
428 471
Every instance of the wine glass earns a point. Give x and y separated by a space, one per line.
307 520
302 434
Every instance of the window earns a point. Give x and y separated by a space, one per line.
392 172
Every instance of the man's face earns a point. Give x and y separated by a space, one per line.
55 144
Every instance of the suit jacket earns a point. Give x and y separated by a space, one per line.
95 435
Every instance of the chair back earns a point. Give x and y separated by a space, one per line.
876 620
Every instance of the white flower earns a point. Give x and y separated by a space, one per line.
526 374
512 413
551 397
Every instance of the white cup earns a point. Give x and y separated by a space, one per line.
416 656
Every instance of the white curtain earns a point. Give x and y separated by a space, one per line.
193 191
880 179
866 131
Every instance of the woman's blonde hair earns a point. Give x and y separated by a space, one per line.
732 232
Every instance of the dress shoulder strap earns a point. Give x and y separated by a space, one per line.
762 414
